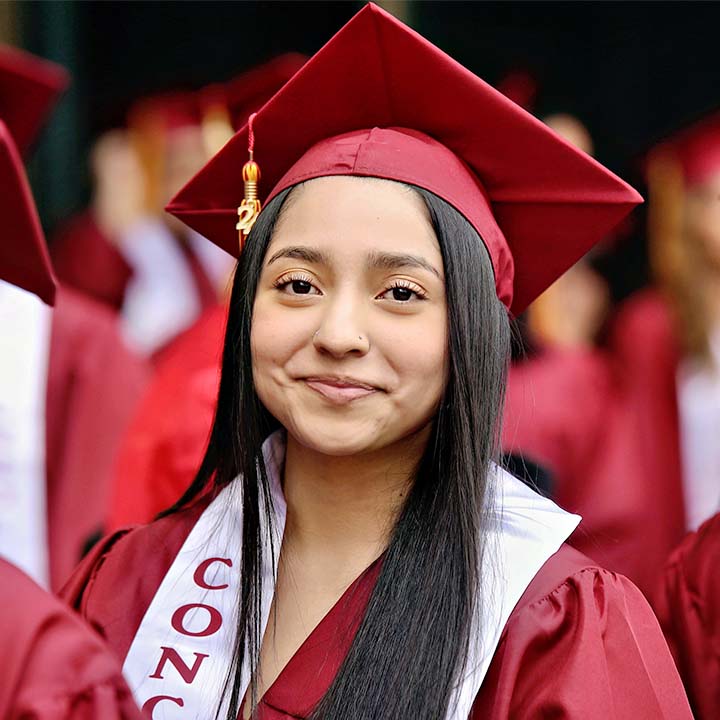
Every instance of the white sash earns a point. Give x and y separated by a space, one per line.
25 325
180 656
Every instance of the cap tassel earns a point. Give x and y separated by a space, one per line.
250 207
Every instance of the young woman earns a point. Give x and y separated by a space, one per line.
348 548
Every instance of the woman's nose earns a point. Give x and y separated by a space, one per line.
342 331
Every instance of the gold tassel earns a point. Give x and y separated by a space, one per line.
250 207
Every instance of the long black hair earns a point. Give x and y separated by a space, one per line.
410 649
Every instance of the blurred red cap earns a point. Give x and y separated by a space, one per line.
695 148
24 259
29 88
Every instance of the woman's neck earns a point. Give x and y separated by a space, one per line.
344 508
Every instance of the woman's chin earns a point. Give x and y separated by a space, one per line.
340 439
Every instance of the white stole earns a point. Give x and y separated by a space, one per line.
698 398
180 656
25 325
161 299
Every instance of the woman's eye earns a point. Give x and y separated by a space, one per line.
296 286
402 294
301 287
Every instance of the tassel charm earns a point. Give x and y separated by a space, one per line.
250 207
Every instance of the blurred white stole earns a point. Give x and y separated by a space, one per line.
25 326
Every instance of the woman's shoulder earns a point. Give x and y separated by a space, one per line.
115 583
565 568
584 640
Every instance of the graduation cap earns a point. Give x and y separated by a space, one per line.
694 148
379 100
24 259
29 88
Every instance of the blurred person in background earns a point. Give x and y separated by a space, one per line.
641 428
89 386
666 348
124 251
559 396
162 449
52 666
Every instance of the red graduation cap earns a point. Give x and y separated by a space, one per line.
249 91
29 88
225 107
379 100
24 259
695 149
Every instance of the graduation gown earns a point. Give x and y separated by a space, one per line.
688 606
53 667
165 441
94 383
581 642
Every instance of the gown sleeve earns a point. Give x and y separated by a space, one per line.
688 607
53 667
590 649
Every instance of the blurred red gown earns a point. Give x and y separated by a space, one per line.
94 383
53 667
581 643
164 444
688 606
605 424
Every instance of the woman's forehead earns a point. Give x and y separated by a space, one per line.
356 215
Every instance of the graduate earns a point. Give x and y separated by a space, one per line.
688 605
126 254
52 666
78 416
656 471
349 548
156 273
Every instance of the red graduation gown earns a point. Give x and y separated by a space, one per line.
165 441
581 643
94 383
688 606
53 667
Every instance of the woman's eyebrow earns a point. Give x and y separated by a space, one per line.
393 261
300 252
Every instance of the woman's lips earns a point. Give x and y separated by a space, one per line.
339 391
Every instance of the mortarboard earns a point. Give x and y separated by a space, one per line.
695 149
24 259
29 88
379 100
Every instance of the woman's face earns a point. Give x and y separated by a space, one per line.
349 329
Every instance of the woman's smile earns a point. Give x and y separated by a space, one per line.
339 391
